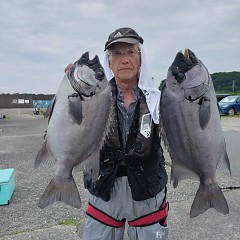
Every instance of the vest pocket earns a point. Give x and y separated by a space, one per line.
102 187
143 187
154 185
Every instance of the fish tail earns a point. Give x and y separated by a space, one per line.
209 196
44 156
64 190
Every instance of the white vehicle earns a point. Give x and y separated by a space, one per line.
36 111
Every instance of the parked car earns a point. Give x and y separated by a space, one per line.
220 96
230 105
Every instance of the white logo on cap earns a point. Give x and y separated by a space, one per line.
117 35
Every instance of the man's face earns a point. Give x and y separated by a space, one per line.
124 61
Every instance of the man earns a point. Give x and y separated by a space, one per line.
132 182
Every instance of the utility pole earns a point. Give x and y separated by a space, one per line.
233 86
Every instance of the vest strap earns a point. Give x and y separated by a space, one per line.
121 156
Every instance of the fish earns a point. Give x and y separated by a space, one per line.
79 119
191 129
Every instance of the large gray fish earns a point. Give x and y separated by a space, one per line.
79 119
191 124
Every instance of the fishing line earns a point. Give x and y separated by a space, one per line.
230 188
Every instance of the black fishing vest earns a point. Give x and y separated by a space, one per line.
141 160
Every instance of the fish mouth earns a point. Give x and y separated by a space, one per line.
87 75
94 64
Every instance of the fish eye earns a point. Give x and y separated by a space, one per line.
100 74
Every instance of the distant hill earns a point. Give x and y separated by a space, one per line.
224 82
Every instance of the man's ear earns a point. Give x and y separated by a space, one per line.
109 63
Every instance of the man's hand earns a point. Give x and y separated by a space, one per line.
68 67
183 63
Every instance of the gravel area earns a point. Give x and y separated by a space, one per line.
21 137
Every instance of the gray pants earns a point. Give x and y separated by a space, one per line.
121 205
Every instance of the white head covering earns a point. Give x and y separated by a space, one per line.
146 83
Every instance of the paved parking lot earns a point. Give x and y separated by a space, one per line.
231 130
20 140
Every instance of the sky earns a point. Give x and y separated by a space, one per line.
39 38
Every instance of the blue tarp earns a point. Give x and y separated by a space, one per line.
41 103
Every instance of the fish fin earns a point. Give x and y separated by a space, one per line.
90 165
64 190
163 135
162 132
109 126
179 173
44 156
75 108
50 107
204 112
45 135
224 163
111 121
94 170
207 197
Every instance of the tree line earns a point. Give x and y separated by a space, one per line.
224 82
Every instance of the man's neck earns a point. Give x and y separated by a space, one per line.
127 92
126 85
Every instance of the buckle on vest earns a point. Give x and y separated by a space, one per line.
121 156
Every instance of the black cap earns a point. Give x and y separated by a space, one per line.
125 34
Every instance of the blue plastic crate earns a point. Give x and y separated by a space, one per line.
7 185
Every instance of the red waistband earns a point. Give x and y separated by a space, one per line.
152 218
148 219
103 217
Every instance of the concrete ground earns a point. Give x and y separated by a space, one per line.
21 137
